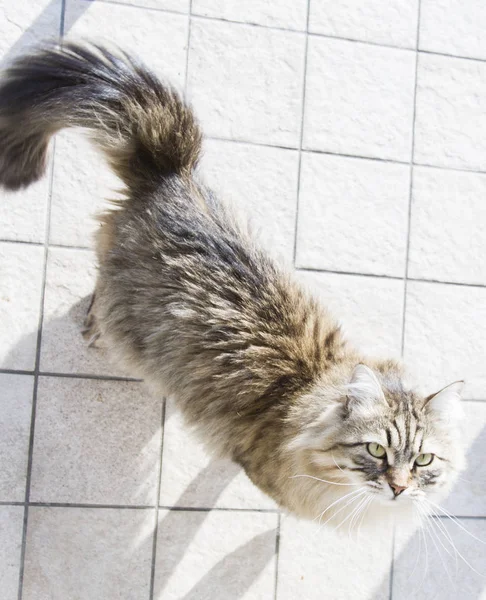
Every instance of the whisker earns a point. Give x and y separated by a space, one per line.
334 460
353 499
351 513
430 530
455 520
323 480
336 502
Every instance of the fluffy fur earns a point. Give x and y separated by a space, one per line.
186 300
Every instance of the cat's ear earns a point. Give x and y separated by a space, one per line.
364 394
446 404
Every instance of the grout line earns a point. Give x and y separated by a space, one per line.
353 273
156 522
447 55
274 511
36 371
24 242
410 195
299 164
189 27
38 348
141 6
392 564
407 250
89 376
89 505
277 554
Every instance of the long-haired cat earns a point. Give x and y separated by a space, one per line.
189 303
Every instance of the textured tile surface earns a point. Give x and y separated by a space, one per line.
313 560
352 215
453 27
25 24
262 183
468 496
82 188
89 424
181 6
71 276
450 128
21 268
23 214
138 31
370 309
215 555
359 99
85 554
390 22
15 412
98 443
191 478
445 336
11 524
438 572
290 14
448 226
253 93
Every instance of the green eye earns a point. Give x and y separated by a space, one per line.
424 460
376 450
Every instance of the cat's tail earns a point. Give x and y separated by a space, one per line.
143 127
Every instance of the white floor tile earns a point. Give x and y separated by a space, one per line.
25 24
21 273
450 128
23 213
181 6
468 497
318 562
15 416
191 478
390 22
445 336
290 14
352 215
215 556
261 183
370 309
85 553
87 449
11 527
70 281
448 226
158 39
252 93
429 568
453 27
359 99
83 186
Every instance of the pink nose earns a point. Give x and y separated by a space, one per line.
397 489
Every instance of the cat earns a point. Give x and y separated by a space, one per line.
186 300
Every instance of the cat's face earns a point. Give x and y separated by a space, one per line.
383 445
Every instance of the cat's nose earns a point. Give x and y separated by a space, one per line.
397 489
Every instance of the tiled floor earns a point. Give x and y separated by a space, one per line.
353 134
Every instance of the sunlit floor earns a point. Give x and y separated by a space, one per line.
359 160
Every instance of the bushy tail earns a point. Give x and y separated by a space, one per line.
142 126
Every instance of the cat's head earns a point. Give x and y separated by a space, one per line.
381 442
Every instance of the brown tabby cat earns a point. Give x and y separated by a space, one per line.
184 298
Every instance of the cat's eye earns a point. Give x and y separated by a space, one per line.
376 450
424 460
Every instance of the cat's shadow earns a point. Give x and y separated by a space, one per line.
186 529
